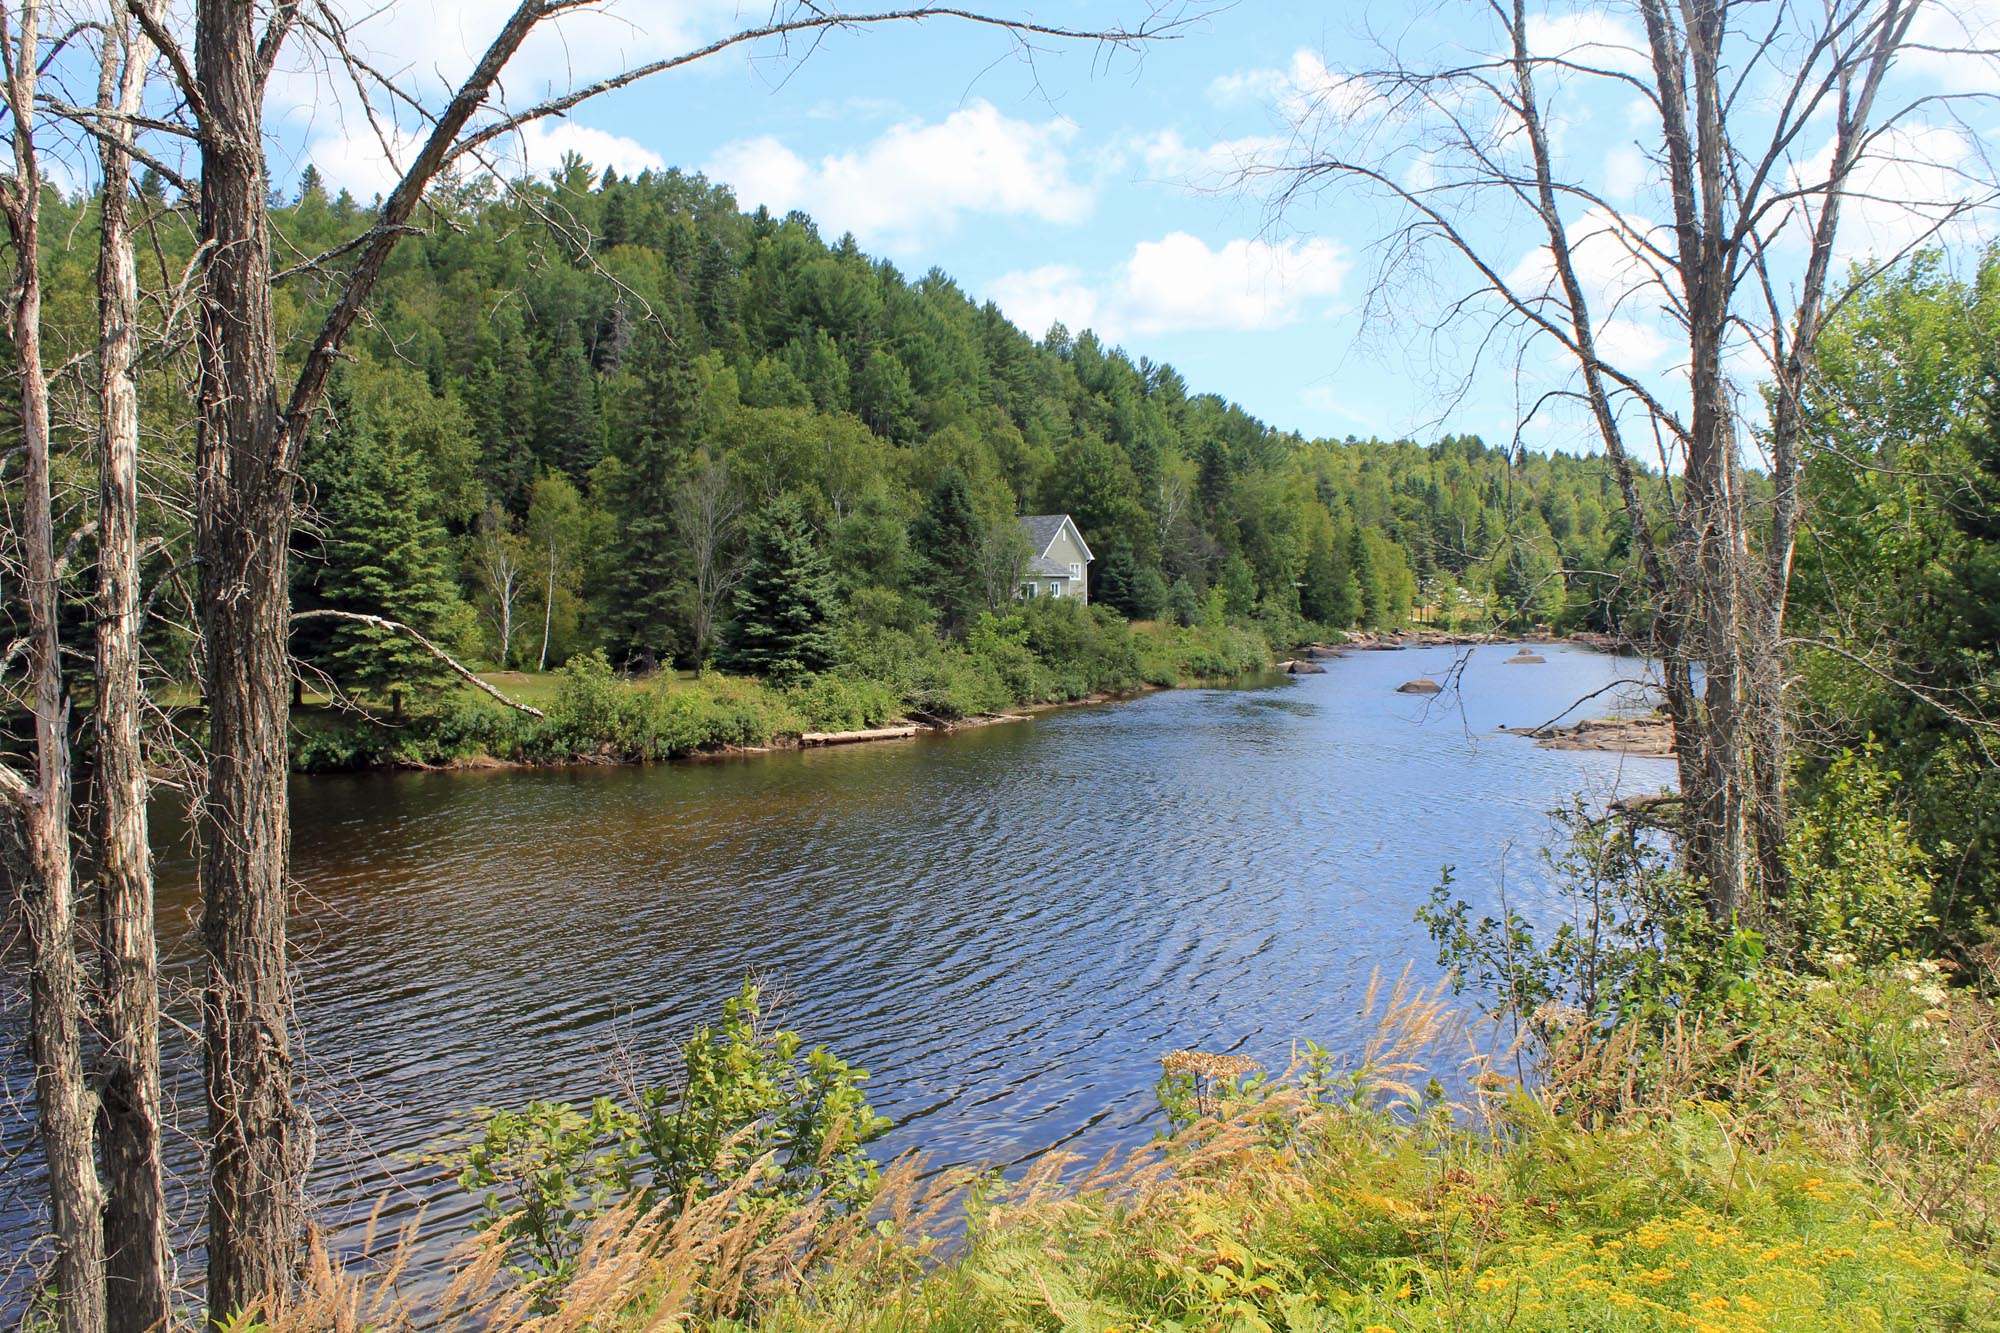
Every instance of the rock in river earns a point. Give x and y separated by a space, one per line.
1421 685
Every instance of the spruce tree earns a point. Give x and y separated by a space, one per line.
385 554
657 421
787 603
946 536
569 437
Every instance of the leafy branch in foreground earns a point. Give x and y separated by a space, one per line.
754 1116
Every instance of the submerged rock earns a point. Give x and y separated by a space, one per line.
1421 685
1525 658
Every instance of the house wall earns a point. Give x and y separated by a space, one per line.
1065 550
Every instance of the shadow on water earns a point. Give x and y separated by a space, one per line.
1008 926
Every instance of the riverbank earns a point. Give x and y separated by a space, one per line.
904 688
1756 1173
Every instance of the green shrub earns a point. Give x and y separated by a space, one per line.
1861 885
753 1112
1635 943
584 714
839 702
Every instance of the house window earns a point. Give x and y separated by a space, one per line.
1028 591
1075 570
1055 589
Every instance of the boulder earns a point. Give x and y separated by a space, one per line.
1421 685
1525 658
1302 667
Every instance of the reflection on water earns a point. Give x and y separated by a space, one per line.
1008 926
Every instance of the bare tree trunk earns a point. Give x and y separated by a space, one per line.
548 607
135 1224
259 1143
48 889
707 508
246 443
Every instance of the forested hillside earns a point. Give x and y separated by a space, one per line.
578 400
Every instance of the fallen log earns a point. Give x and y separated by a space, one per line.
854 737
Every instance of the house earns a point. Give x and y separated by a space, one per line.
1058 560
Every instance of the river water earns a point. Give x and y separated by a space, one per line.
1007 926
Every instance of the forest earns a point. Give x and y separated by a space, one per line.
578 399
592 467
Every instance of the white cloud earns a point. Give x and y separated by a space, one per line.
1590 39
542 144
1039 297
1167 156
1305 93
1625 283
917 179
1958 37
1901 193
1180 284
428 46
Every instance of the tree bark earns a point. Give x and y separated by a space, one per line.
259 1142
47 889
549 607
135 1222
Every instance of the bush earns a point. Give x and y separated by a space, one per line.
584 714
835 702
753 1113
1634 943
1861 885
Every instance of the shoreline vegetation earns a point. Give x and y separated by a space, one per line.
1758 1171
593 716
1005 669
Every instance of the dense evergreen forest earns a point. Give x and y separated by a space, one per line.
579 401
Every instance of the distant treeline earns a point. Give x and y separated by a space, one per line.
579 401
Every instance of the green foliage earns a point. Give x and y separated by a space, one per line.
1899 573
753 1114
1860 884
585 712
946 537
1632 940
381 552
844 703
543 1173
1347 1200
786 606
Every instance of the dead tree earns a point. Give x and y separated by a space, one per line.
135 1221
249 433
708 514
40 802
1760 122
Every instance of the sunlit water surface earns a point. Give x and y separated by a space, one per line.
1006 926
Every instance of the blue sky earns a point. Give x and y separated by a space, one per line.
1087 185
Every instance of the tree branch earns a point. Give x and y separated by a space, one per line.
397 626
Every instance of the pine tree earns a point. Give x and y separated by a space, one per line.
787 603
385 555
946 536
569 438
658 423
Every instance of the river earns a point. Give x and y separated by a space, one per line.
1007 926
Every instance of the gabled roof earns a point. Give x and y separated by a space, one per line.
1042 531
